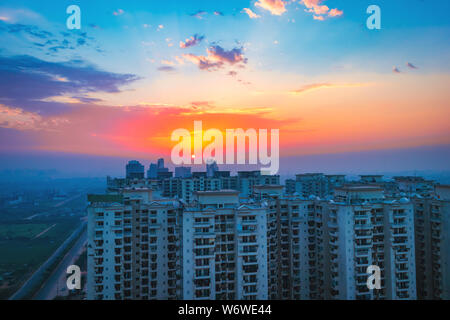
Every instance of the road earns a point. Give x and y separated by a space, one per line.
36 277
56 283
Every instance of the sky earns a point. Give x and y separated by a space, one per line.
138 70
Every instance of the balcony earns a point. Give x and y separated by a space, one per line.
366 226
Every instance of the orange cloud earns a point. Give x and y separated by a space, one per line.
320 11
217 57
18 119
276 7
316 86
251 14
335 13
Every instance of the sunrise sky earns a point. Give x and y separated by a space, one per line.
137 70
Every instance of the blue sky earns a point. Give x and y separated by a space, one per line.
137 70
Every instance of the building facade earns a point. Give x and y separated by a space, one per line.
432 219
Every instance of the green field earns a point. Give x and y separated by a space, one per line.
28 230
21 252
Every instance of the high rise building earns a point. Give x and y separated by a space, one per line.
210 243
132 247
183 172
183 188
295 244
432 227
316 184
160 164
364 229
134 170
248 179
224 248
211 169
412 185
152 172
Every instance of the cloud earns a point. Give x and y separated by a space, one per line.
31 30
218 13
168 63
119 12
251 14
395 69
320 11
113 130
48 42
23 15
26 81
18 119
217 57
316 86
276 7
411 66
192 41
166 68
199 14
232 57
335 13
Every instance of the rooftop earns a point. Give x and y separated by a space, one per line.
357 188
217 193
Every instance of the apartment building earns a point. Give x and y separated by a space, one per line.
224 248
221 180
295 244
411 185
365 229
432 230
215 244
133 247
317 184
184 188
248 179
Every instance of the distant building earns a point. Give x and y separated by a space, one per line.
158 171
152 172
135 170
222 174
412 185
316 184
211 169
183 172
371 178
160 164
247 179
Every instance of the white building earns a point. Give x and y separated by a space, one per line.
132 247
364 229
224 249
295 244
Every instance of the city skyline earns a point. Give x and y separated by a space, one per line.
311 69
249 237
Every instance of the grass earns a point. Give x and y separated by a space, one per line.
24 230
21 254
